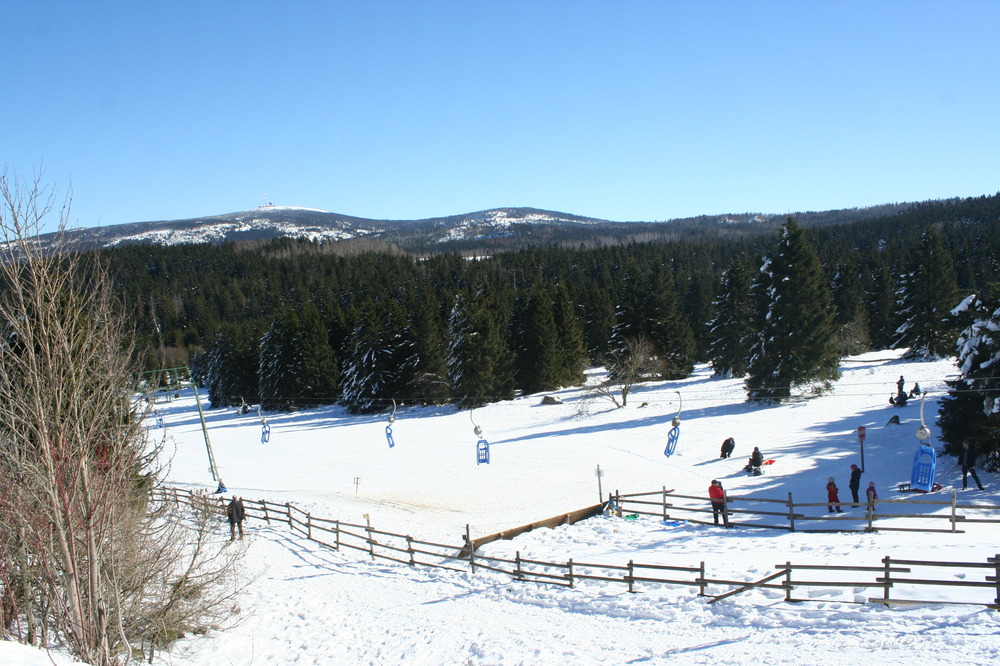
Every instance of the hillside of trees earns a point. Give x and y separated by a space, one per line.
289 324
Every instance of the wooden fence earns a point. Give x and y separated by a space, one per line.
405 549
787 514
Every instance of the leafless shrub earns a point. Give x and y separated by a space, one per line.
635 362
85 559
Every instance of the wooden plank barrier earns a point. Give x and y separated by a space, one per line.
406 550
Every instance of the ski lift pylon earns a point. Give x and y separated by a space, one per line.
388 429
482 446
675 431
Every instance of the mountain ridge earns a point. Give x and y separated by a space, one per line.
495 228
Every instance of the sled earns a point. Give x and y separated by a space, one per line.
672 437
388 436
672 523
924 465
482 452
907 488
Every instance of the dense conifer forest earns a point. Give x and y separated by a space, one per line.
289 324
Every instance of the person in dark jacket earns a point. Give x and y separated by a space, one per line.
832 496
236 513
727 447
967 459
755 465
855 483
718 497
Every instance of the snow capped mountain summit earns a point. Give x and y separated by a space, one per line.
268 222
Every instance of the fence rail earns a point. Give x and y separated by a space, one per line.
405 549
750 511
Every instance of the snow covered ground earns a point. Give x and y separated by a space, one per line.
311 605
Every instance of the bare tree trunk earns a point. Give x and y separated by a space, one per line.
101 566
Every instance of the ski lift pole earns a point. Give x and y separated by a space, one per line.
204 429
923 432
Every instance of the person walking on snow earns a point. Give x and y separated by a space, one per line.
718 497
967 459
832 496
855 483
236 513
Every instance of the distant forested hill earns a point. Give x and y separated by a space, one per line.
401 325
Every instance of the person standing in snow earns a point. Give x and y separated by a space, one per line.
872 495
832 496
899 385
967 459
727 447
236 513
718 497
855 483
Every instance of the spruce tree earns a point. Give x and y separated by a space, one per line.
669 331
926 297
572 351
794 337
971 411
280 368
536 344
320 376
728 340
428 380
364 379
479 367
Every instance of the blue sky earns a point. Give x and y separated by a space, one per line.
623 110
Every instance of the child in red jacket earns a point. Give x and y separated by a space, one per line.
832 497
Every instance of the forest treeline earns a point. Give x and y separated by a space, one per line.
288 324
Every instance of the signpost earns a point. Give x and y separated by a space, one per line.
861 441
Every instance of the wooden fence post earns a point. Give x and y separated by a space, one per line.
871 515
409 549
996 577
288 512
703 584
517 566
267 518
664 502
309 526
569 572
888 580
791 513
472 548
788 580
336 535
368 530
631 576
954 511
725 508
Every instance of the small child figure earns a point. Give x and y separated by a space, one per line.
832 496
872 495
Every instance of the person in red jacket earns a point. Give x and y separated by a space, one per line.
832 497
718 497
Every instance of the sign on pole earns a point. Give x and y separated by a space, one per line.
861 442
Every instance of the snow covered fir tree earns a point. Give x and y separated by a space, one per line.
285 324
793 335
